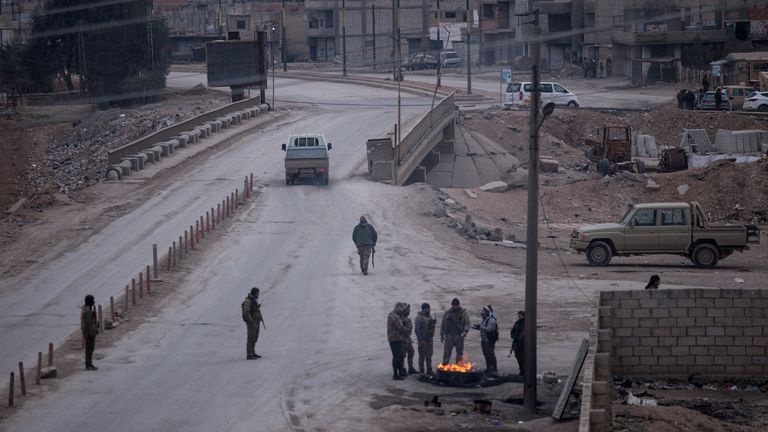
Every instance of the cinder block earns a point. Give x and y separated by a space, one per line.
723 340
678 370
680 293
661 351
667 341
649 341
742 360
697 312
667 360
667 322
695 331
734 331
723 303
623 352
742 321
705 360
742 303
679 350
639 351
734 312
734 370
705 303
630 361
698 350
660 313
630 322
686 360
723 360
724 321
641 331
737 350
630 341
677 331
629 304
754 369
715 369
664 331
623 332
687 340
622 313
746 341
640 294
649 360
677 312
715 312
716 350
705 321
756 351
704 340
641 313
667 302
754 312
715 331
649 322
686 322
709 293
685 302
649 303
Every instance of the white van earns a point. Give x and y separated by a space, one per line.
518 94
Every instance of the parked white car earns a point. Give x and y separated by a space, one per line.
518 94
756 102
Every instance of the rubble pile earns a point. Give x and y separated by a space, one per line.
73 156
567 71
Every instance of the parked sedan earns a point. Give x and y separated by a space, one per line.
708 102
757 102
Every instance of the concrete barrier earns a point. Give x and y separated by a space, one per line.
125 166
158 152
182 139
114 172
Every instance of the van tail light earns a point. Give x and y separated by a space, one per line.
520 95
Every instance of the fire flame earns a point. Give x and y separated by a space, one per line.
462 367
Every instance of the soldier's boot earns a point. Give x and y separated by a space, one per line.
430 372
412 370
403 372
396 376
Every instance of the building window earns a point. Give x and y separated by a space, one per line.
241 24
489 11
450 15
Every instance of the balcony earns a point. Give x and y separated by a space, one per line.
668 37
321 32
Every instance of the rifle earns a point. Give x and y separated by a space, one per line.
263 323
373 257
511 350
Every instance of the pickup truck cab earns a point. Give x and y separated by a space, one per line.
677 228
306 156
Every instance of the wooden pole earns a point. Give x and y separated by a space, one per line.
141 285
22 379
39 367
149 282
10 391
50 354
112 308
133 292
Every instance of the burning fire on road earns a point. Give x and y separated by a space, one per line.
458 374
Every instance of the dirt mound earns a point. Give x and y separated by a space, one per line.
671 419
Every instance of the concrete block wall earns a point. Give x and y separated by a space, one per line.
597 376
678 332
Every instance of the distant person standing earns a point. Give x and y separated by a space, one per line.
396 335
690 100
681 99
518 341
252 317
409 351
654 282
489 334
365 237
718 98
705 83
424 326
89 325
453 329
602 68
608 66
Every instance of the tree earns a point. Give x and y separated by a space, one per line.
116 48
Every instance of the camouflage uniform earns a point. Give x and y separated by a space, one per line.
397 333
409 351
365 237
252 317
518 343
454 327
89 325
425 334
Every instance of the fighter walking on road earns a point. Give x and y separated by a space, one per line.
89 325
252 317
365 237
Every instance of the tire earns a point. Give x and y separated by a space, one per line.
599 254
604 167
705 256
640 166
572 104
763 108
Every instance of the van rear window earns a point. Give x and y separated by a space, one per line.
513 88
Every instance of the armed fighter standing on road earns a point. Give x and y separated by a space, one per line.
252 317
409 351
89 324
365 237
453 329
424 328
397 333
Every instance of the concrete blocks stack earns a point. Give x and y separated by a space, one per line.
153 154
717 332
644 146
740 141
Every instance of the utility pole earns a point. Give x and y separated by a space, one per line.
343 37
395 40
221 25
532 237
283 44
469 50
373 20
440 44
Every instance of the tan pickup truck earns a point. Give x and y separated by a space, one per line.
677 228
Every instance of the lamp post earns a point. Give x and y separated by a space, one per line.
283 42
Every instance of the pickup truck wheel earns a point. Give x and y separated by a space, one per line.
599 254
705 256
604 167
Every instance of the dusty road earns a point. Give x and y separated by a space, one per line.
326 361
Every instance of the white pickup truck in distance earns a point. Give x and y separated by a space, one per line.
306 156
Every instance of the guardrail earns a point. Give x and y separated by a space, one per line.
117 155
423 136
